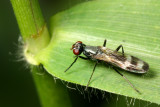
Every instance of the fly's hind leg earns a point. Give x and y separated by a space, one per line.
120 46
127 80
104 44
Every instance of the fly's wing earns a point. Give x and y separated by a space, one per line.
136 65
109 56
126 62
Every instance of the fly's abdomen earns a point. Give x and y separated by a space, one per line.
134 64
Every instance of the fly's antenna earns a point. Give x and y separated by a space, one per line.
127 80
71 64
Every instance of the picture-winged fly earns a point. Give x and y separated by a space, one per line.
111 57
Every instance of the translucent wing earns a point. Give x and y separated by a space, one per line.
126 62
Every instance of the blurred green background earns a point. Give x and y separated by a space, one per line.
17 87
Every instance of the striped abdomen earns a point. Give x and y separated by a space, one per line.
134 64
126 62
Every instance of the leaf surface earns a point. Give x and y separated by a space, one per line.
134 24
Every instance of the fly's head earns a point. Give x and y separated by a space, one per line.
77 48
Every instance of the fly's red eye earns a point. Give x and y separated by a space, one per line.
76 51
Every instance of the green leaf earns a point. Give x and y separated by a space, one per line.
134 24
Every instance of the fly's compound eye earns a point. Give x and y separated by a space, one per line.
77 48
76 51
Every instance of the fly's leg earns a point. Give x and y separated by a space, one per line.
71 64
104 44
127 80
119 48
75 61
85 58
91 75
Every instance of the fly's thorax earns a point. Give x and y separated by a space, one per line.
97 53
90 51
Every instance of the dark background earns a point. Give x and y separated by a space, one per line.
17 88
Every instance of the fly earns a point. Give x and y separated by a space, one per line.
112 57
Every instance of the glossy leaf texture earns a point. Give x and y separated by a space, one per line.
134 24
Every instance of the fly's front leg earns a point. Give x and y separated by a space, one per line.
71 64
75 61
119 48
